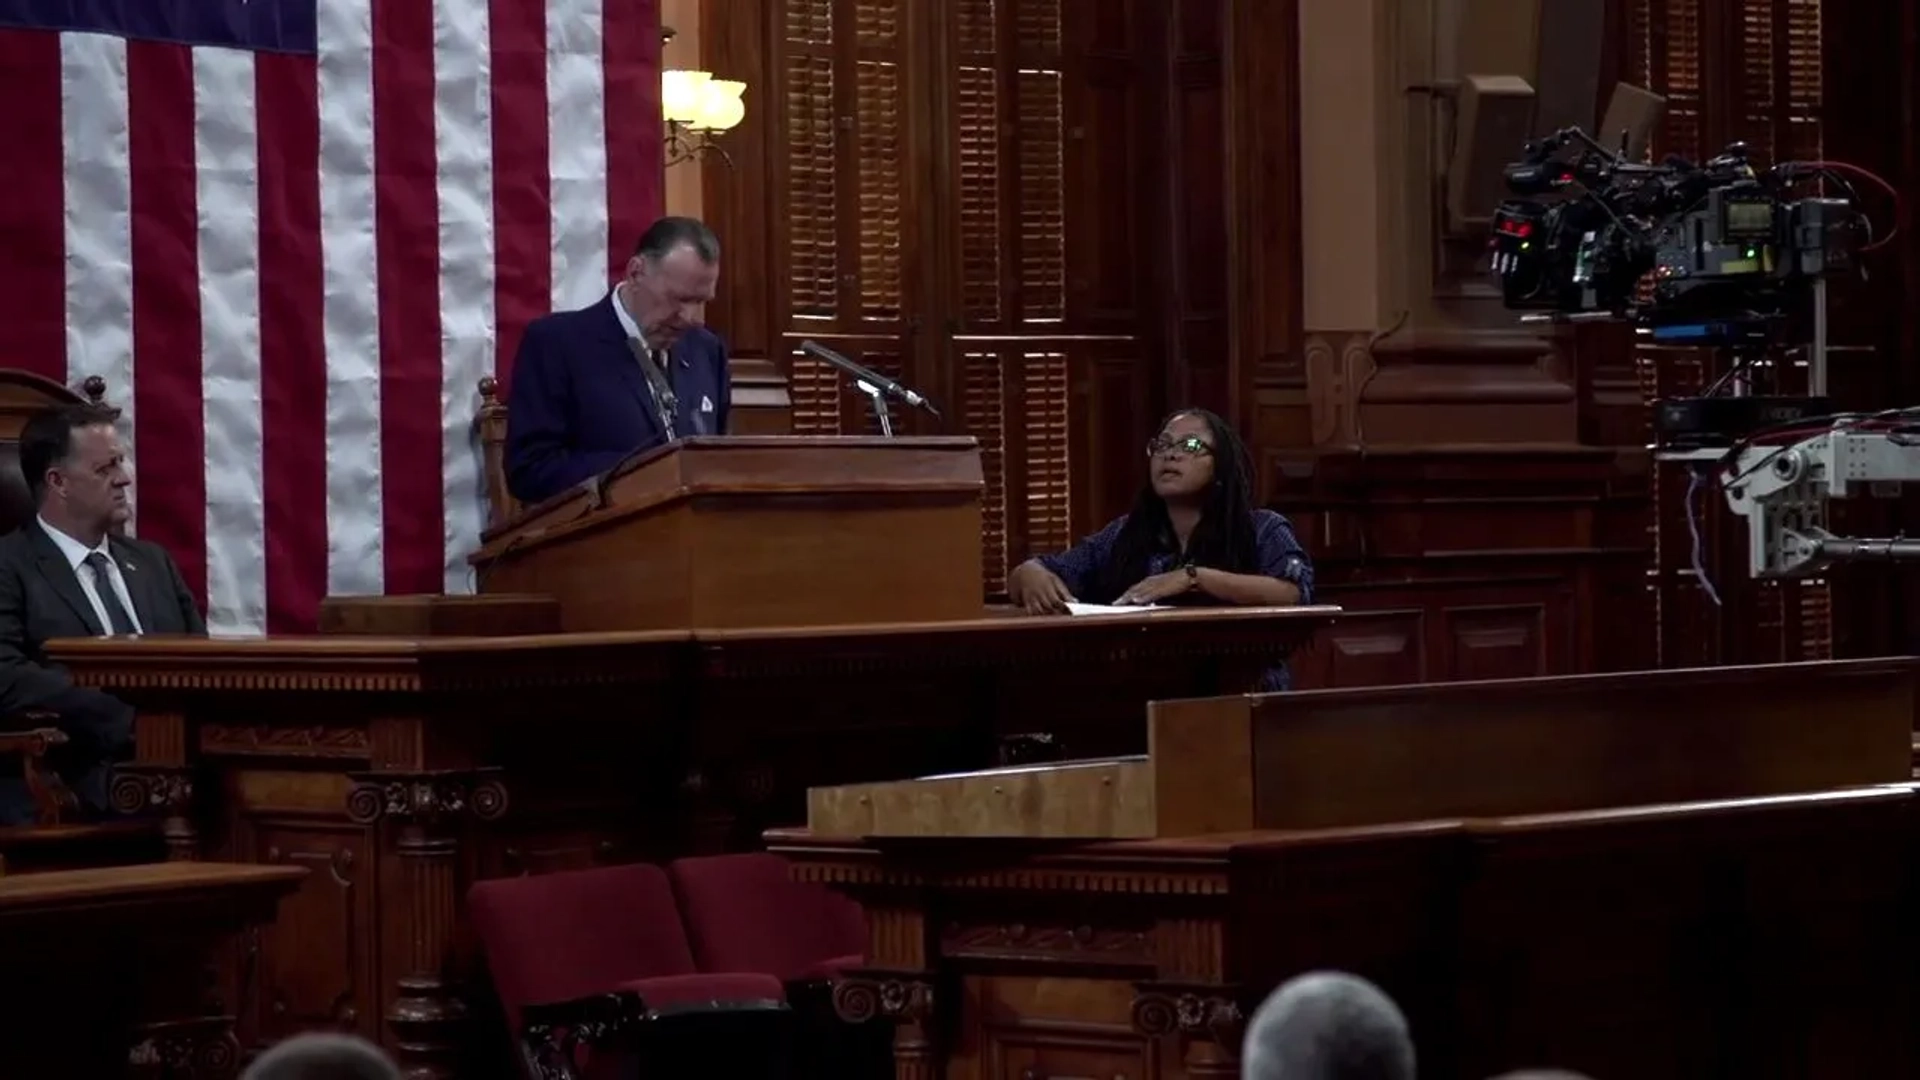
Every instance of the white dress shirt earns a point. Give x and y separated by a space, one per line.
627 325
76 554
632 329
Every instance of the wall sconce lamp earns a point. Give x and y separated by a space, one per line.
697 108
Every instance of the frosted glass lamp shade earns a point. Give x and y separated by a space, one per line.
721 107
683 94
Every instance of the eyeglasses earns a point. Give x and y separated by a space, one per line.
1192 445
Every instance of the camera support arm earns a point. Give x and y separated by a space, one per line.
1782 492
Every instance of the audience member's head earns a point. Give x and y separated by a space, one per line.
322 1057
1326 1025
1542 1074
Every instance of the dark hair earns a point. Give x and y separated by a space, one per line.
47 439
1224 537
668 233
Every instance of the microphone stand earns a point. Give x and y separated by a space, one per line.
877 387
879 399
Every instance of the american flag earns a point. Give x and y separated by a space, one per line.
292 235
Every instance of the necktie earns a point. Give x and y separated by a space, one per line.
655 367
118 621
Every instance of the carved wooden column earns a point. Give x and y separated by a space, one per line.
905 999
1207 1019
898 988
423 814
159 781
188 1033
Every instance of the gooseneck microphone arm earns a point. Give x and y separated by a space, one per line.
874 384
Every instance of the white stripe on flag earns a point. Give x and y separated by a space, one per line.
463 142
98 219
227 168
350 276
577 150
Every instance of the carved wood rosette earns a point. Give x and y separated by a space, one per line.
1075 944
202 1049
907 999
164 791
435 797
1207 1018
425 813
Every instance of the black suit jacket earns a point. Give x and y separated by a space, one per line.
41 599
580 403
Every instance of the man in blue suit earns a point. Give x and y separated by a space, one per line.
636 370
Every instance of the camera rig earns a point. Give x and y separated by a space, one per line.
1724 256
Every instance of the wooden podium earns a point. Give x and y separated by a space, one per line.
756 531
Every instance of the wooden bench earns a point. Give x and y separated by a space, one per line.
107 968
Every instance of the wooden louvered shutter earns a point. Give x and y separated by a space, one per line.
1009 215
1665 55
1746 70
845 72
1776 111
972 274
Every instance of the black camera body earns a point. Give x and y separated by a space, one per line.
1592 234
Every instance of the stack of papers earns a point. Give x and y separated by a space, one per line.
1074 608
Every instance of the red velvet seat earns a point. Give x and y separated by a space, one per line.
744 913
565 937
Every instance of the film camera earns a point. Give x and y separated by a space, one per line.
1723 243
1719 255
1716 255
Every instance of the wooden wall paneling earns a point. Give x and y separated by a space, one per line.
1868 117
743 202
1747 70
1044 303
1267 372
953 196
856 119
1196 367
1421 529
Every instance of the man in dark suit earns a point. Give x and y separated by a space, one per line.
68 574
636 370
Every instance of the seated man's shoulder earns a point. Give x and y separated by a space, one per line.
151 550
18 543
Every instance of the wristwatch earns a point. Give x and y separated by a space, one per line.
1193 577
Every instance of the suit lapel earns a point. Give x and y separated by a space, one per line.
625 363
59 574
140 581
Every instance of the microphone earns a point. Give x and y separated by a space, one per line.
874 380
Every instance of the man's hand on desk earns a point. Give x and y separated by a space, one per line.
1038 589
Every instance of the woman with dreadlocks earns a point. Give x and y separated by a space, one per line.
1194 536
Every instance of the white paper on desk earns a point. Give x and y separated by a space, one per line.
1077 608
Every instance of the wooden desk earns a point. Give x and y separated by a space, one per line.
1753 938
107 968
1441 840
403 769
